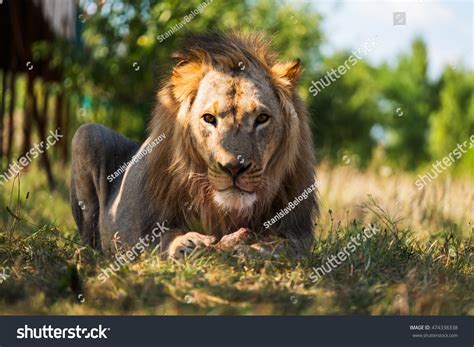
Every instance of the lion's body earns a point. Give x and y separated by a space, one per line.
97 153
238 168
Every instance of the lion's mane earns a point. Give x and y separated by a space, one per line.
176 174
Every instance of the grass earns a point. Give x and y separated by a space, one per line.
420 262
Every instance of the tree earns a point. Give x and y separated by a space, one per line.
345 111
453 122
408 99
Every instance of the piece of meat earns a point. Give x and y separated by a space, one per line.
230 241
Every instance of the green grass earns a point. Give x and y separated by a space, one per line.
393 272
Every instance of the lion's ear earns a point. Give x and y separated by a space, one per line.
288 72
180 59
185 79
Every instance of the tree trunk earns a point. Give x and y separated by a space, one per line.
41 122
28 112
58 121
11 127
64 132
43 129
2 109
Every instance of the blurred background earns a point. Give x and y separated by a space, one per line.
407 103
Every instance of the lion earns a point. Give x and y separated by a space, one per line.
236 149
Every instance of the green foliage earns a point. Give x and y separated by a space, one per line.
345 111
409 93
112 76
453 122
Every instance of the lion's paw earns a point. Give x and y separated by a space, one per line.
185 244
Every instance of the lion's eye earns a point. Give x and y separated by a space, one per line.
262 118
209 118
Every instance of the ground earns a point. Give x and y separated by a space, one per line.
420 260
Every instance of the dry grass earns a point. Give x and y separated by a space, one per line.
419 263
443 203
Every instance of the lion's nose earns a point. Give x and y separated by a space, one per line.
234 169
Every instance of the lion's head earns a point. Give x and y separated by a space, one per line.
239 142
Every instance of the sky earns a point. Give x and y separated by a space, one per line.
446 26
